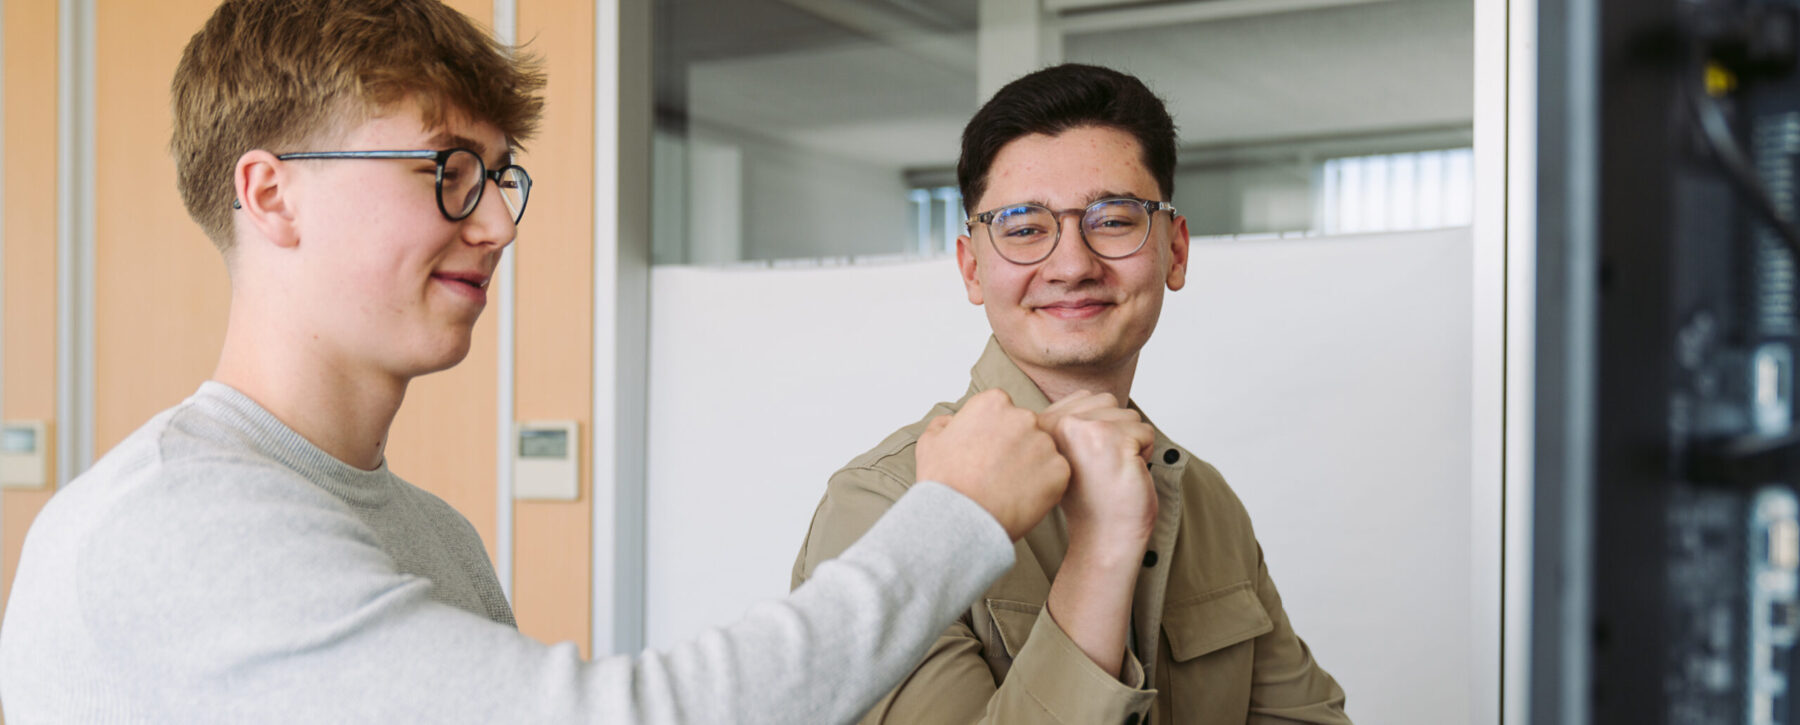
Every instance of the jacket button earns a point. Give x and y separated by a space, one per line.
1131 719
1149 559
1171 456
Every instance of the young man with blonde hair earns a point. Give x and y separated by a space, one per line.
247 556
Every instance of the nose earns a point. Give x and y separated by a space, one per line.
1071 261
491 224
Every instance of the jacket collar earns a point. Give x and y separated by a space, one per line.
996 370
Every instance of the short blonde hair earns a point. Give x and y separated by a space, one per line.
266 74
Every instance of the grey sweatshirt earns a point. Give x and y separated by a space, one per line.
217 567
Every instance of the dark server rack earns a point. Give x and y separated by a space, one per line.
1666 443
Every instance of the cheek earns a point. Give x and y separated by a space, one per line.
1006 286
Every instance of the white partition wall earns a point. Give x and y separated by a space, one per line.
1328 378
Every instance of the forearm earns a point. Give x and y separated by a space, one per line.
828 651
1091 596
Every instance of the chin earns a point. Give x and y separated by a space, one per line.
1101 353
1079 358
1066 354
438 360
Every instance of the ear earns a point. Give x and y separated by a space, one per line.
265 201
965 261
1178 254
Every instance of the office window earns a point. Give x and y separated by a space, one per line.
796 129
1396 192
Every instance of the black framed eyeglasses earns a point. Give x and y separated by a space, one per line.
1027 233
461 178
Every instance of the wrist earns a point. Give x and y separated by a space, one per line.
1107 547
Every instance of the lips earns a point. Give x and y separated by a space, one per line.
1075 309
472 279
469 285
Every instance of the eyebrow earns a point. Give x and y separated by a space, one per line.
447 140
1091 198
1108 194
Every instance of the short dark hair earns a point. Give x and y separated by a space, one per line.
1061 98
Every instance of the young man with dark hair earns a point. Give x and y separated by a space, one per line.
1146 599
247 557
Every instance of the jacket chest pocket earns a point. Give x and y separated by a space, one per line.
1210 645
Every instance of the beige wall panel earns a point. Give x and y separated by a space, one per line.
160 289
443 440
553 541
481 11
29 226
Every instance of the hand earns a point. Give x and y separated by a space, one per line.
1111 501
1111 511
995 454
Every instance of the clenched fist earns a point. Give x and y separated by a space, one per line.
995 453
1111 499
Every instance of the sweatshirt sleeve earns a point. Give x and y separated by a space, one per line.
1051 680
243 596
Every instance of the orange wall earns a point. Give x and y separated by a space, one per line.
29 226
161 289
554 546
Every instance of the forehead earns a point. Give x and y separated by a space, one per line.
1068 169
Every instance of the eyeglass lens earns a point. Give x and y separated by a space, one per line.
465 178
1113 228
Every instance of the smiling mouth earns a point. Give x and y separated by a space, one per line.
1076 310
475 282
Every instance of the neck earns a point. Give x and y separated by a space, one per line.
1059 383
344 410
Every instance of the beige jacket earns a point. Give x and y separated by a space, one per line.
1222 650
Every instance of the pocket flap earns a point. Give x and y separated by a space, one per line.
1214 620
1014 621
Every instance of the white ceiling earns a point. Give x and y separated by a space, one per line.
897 101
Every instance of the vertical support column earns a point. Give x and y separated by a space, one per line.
1519 456
622 127
1015 37
506 30
1555 391
1487 486
75 239
715 200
